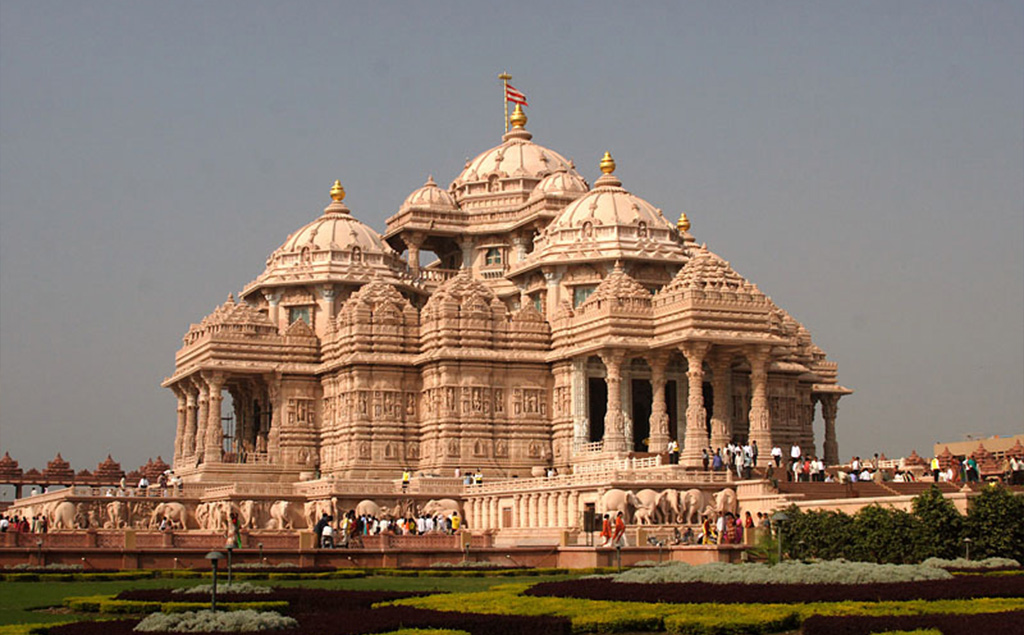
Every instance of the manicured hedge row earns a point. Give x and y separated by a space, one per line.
110 605
1006 622
975 586
612 616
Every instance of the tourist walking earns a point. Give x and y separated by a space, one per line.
606 531
619 538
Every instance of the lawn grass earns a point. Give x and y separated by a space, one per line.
18 599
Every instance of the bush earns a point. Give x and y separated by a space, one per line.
240 588
963 564
993 524
940 528
790 572
216 622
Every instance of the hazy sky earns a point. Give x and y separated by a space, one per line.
861 162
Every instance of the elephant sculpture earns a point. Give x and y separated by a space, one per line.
726 502
664 505
62 515
176 514
117 515
616 500
646 515
368 507
202 515
248 513
285 515
443 506
692 503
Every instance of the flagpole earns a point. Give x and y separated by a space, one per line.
504 77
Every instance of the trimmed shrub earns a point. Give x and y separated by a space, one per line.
240 588
1006 622
965 565
216 622
828 572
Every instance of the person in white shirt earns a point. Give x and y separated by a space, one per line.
794 453
327 537
777 455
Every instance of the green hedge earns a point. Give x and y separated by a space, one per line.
108 605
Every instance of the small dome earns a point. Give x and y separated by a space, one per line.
430 197
561 184
609 223
336 247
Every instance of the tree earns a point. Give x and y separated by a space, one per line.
940 526
884 535
818 534
995 524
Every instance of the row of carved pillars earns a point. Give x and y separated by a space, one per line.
536 510
696 438
200 435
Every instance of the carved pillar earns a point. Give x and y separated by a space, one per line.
659 414
552 278
188 446
202 416
179 434
721 384
614 422
276 414
467 245
214 431
696 417
574 504
760 416
829 410
517 515
534 511
414 241
327 292
273 298
580 421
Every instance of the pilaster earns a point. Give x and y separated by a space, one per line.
696 416
829 411
659 413
760 416
721 417
614 422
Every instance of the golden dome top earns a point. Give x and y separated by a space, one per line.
684 223
607 163
518 117
337 192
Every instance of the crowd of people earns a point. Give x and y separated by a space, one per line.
23 524
737 457
351 528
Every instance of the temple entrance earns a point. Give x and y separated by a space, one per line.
643 398
597 407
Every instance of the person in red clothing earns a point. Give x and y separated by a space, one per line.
606 531
619 538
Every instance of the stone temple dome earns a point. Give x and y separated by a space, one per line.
518 158
611 223
561 183
429 197
336 247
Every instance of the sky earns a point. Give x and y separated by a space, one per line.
861 162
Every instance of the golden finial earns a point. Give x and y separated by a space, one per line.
337 192
684 223
518 117
607 163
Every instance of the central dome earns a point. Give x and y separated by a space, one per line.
514 166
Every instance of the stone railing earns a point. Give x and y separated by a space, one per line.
250 489
588 448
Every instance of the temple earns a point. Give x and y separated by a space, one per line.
521 319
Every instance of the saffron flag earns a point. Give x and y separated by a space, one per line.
514 96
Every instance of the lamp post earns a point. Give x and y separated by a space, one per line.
967 548
213 557
778 519
231 549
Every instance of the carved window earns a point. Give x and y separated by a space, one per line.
588 229
537 304
492 183
493 256
299 313
641 229
580 294
357 254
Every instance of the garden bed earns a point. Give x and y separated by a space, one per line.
343 613
960 587
1007 622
